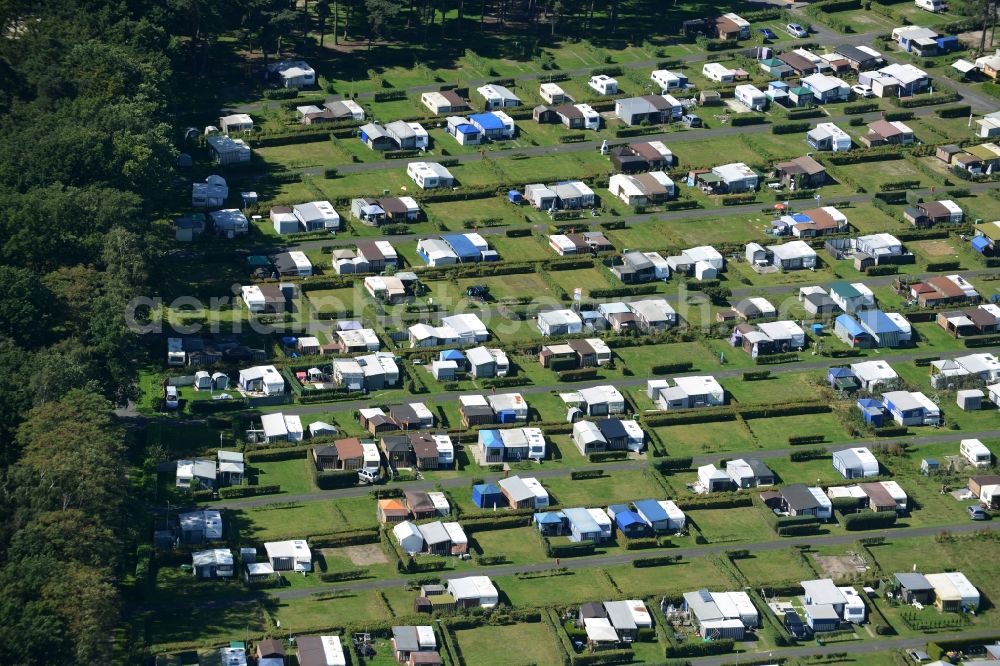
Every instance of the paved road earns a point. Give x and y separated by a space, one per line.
587 563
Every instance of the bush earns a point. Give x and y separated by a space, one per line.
938 266
572 138
671 368
957 111
898 115
517 233
944 97
982 341
341 576
808 454
790 128
739 199
580 474
747 119
691 649
624 656
338 478
607 71
869 520
389 96
885 269
341 539
891 431
603 456
281 93
276 455
899 185
569 549
861 107
756 375
231 492
214 406
658 561
772 359
667 464
796 440
620 292
578 375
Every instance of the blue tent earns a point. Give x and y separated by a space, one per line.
980 244
872 411
630 524
487 496
452 355
515 197
486 121
550 523
462 246
880 327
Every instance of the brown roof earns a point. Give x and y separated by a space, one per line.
418 500
370 251
884 128
270 648
934 209
644 149
454 98
877 494
658 102
272 292
946 287
568 110
725 26
423 445
429 658
280 209
349 448
986 479
652 185
392 205
966 158
804 164
981 317
581 347
797 62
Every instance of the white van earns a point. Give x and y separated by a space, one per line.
934 6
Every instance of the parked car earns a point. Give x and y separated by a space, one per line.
977 513
478 292
862 90
170 398
367 476
796 30
767 33
691 120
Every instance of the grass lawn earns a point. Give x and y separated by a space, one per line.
609 489
293 476
731 525
801 385
774 566
812 472
703 438
204 627
520 544
587 279
335 300
301 519
326 610
571 588
888 171
675 579
775 431
512 645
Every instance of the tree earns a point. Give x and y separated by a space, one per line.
380 13
323 12
25 307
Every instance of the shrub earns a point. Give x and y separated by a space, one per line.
747 119
898 115
756 375
276 455
938 266
658 561
341 539
517 233
281 93
941 97
338 478
572 138
603 456
340 576
956 111
619 292
578 375
893 185
389 96
214 406
869 520
671 368
739 199
580 474
860 107
790 128
231 492
719 646
607 71
808 454
796 440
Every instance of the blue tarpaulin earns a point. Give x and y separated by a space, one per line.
980 243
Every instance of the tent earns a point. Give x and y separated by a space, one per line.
488 496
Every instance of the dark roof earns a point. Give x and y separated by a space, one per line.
612 428
418 500
454 98
592 609
349 448
392 205
326 450
270 648
759 468
403 414
798 497
423 445
855 54
913 581
396 443
568 110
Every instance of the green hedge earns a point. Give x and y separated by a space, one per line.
747 119
276 455
215 406
982 341
739 199
504 521
808 454
517 233
389 96
691 649
869 520
938 266
341 576
603 657
930 99
671 368
898 115
773 359
957 111
620 292
281 93
341 539
756 375
613 70
231 492
891 431
796 440
861 107
578 374
337 478
580 474
666 464
604 456
580 549
894 185
790 128
658 561
572 138
887 269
